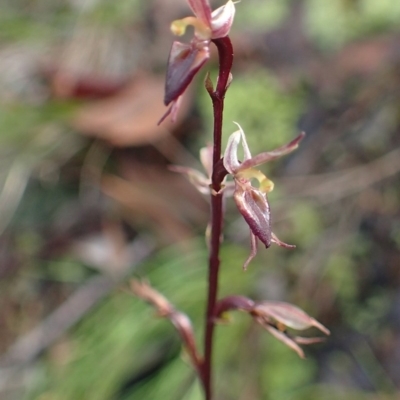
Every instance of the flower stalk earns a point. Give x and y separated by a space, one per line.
225 53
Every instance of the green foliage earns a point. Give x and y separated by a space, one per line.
305 222
110 13
369 317
122 336
333 23
331 392
20 122
255 15
342 275
267 115
285 372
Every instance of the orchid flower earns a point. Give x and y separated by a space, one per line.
185 60
276 317
252 201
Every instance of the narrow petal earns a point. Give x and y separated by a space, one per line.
202 10
222 19
281 336
231 162
272 155
196 178
176 104
246 150
308 340
184 62
172 110
253 250
206 158
279 242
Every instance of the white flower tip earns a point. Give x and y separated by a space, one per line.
222 19
231 162
238 125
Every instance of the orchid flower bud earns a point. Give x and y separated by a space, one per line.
276 317
165 309
185 60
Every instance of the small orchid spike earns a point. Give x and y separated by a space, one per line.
185 60
252 202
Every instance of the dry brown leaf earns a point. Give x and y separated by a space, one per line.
69 85
130 117
149 208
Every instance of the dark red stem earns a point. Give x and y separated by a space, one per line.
233 303
225 52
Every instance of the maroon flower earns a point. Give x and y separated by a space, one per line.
252 201
185 60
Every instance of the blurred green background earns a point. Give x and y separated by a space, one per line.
87 201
